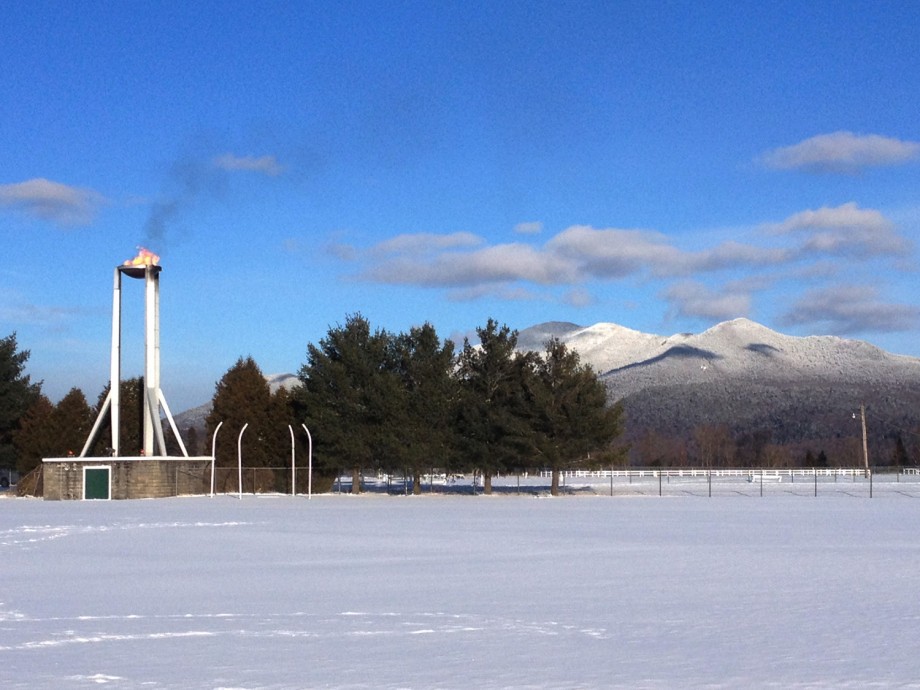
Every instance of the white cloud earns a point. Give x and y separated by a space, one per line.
531 228
426 243
850 309
17 310
52 201
695 300
267 165
578 298
614 253
846 229
341 250
498 264
842 152
499 292
813 246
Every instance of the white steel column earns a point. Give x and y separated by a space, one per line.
154 441
115 369
151 333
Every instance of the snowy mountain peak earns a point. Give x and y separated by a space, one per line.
287 381
736 348
742 327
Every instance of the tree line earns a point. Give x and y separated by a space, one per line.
372 399
377 400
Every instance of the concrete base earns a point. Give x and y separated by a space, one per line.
129 477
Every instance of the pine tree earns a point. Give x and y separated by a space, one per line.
350 397
17 393
131 431
53 431
242 397
491 421
72 421
428 396
193 442
572 423
33 440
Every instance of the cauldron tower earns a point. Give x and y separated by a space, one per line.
144 266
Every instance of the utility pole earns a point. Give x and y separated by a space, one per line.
862 415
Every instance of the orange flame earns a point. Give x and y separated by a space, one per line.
144 257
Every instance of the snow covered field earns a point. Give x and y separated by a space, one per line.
788 591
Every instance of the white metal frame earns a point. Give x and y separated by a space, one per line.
154 400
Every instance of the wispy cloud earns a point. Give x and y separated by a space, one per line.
17 310
842 152
845 229
695 300
498 292
52 201
721 281
581 253
267 165
501 263
425 243
849 309
615 253
530 228
578 297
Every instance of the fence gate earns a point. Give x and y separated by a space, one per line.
97 483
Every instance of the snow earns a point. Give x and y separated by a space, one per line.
737 347
505 591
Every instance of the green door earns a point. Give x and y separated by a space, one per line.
96 482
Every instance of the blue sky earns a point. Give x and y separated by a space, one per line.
664 166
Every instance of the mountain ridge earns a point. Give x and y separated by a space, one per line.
737 375
758 386
631 361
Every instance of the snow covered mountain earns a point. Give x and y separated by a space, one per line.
631 361
749 379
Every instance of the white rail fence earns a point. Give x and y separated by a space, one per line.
755 473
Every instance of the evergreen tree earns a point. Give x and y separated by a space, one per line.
33 440
131 431
193 443
572 423
17 393
492 423
53 431
241 397
350 397
425 434
72 421
278 438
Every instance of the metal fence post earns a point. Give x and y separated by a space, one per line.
239 459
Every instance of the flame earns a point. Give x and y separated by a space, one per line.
144 257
